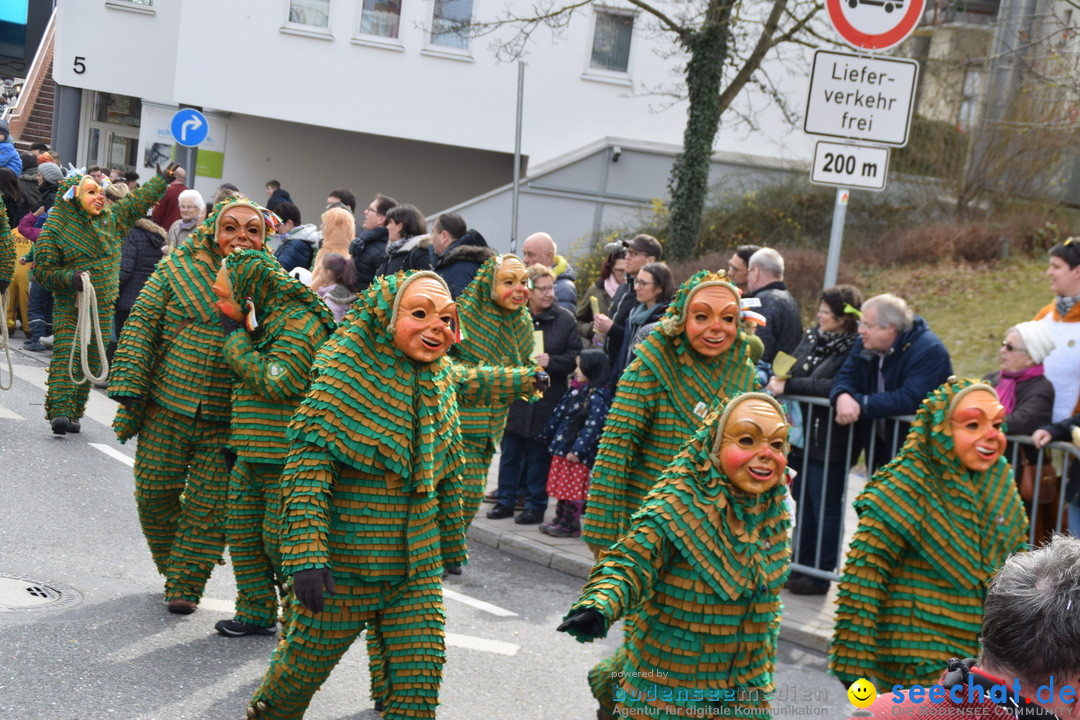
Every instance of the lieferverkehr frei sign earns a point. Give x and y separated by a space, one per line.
861 98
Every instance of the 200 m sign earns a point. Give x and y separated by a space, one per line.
850 165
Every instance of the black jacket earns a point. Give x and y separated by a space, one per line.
276 198
783 322
143 248
563 344
413 254
813 375
458 265
368 252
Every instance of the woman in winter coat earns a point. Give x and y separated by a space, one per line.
192 212
409 245
143 247
821 459
611 277
653 287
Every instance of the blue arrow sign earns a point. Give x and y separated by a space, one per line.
189 127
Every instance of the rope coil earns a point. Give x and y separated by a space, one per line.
87 330
5 344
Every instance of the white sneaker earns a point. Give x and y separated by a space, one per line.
46 341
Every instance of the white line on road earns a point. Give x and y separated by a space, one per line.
114 453
478 604
470 642
10 414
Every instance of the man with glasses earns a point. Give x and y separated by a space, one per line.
895 362
640 251
368 249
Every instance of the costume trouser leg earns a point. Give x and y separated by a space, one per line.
411 630
254 534
65 397
476 454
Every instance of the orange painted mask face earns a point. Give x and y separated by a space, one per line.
240 228
91 196
511 288
753 446
426 319
712 314
976 428
222 287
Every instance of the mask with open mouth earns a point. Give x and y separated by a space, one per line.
91 196
751 448
510 290
712 316
976 419
425 318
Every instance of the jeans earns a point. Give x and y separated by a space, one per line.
523 471
807 491
40 311
1074 519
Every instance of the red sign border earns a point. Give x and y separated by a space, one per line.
883 41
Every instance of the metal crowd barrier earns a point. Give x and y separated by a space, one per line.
818 410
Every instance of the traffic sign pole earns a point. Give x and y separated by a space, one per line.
836 237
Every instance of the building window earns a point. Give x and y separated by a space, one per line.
611 41
380 17
450 23
315 13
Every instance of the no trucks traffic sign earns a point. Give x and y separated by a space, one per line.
874 24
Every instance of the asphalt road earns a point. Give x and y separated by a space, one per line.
84 633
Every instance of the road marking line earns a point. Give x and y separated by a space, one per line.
98 407
114 453
10 414
470 642
225 606
478 604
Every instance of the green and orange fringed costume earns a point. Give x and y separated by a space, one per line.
371 490
72 242
272 365
931 534
493 335
7 250
698 575
659 403
170 366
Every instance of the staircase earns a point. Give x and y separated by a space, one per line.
31 117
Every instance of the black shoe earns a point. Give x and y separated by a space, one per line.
74 426
179 606
34 346
500 512
239 628
60 425
806 585
452 569
529 517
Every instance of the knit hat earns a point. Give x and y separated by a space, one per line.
1037 340
51 172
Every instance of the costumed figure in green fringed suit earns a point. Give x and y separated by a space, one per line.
273 326
696 354
497 330
174 388
82 234
698 575
7 251
935 524
372 499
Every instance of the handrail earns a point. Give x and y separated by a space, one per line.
18 115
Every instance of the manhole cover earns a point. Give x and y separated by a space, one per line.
19 593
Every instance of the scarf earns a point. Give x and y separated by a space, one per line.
638 316
611 285
1007 382
826 344
1064 304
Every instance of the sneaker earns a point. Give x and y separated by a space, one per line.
529 517
239 628
500 512
30 341
179 606
805 585
561 532
34 346
47 341
59 424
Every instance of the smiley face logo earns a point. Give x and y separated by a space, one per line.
862 693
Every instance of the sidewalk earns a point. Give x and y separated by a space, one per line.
806 621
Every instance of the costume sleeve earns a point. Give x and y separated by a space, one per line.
452 522
134 205
628 421
926 371
873 555
626 574
7 247
139 343
280 371
493 385
306 490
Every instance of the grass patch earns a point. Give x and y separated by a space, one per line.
969 306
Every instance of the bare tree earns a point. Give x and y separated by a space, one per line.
723 43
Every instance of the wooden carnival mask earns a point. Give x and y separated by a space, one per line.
753 445
239 227
712 315
976 423
425 320
510 290
91 196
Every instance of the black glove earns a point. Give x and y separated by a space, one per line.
541 381
4 286
587 623
126 400
227 325
169 173
76 282
308 586
230 458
